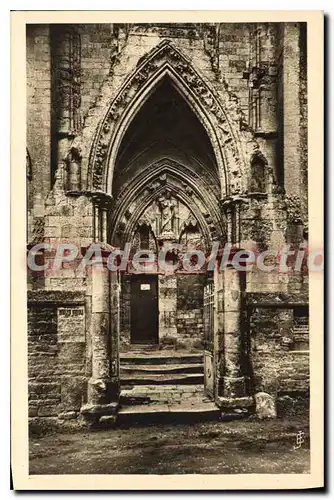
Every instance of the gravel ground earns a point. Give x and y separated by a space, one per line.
203 448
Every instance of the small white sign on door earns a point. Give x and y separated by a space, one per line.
145 286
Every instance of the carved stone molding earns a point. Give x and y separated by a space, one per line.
66 78
211 45
190 31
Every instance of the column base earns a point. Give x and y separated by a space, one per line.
234 387
235 408
100 414
103 391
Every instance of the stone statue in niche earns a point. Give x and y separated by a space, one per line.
73 167
167 206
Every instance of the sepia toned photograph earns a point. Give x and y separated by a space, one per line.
168 253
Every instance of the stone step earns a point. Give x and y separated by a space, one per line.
162 359
162 379
163 394
146 414
161 369
140 348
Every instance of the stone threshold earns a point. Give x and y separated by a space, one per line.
160 414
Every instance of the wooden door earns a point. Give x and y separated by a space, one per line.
144 309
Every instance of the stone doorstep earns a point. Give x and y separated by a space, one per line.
167 408
163 379
198 388
191 396
168 413
160 369
160 358
172 390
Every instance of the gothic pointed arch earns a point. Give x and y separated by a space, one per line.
167 61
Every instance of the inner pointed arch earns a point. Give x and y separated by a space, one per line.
165 119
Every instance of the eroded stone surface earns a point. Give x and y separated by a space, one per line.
265 405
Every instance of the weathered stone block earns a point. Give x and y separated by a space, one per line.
265 405
73 390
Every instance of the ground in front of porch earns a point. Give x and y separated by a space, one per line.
234 447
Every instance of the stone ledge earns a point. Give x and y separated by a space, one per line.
259 299
241 402
62 297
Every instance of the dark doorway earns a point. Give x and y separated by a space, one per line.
144 309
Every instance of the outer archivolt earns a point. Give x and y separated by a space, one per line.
224 137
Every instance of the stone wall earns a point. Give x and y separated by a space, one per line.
234 56
38 53
97 46
279 348
189 313
57 343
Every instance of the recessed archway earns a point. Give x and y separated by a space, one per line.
166 61
166 180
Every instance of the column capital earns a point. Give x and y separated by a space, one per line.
100 198
229 202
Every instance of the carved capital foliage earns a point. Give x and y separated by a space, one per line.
66 76
101 199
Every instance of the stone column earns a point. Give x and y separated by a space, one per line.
167 300
291 106
104 228
97 232
230 330
103 386
233 378
102 204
